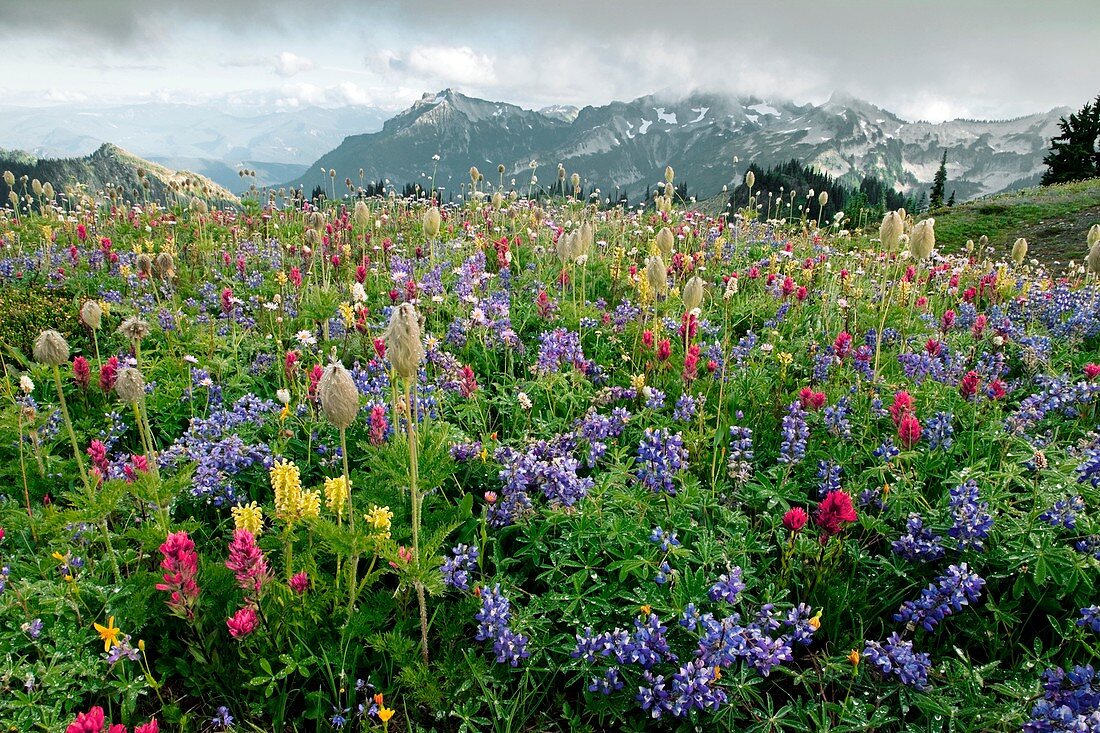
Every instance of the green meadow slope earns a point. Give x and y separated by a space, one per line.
1053 219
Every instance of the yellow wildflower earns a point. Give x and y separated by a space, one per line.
853 657
280 277
309 505
379 518
815 622
336 494
645 609
283 413
784 357
347 313
248 516
286 482
108 633
384 714
638 382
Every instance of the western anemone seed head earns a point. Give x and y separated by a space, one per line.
1094 235
923 239
362 214
500 168
313 238
665 241
1093 261
129 385
656 275
1019 250
9 178
91 314
339 397
983 241
823 198
588 235
51 348
47 190
693 293
670 174
431 221
134 328
198 206
315 220
750 179
165 265
36 187
890 231
402 340
498 199
475 174
144 265
575 179
970 245
563 248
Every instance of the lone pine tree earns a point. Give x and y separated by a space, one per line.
939 183
1075 154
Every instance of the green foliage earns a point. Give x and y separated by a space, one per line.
1075 153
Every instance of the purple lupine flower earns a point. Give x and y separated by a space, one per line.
728 587
661 455
896 657
800 622
740 458
828 472
795 433
494 624
1064 512
1071 702
972 520
456 569
667 540
610 682
951 591
1090 618
685 409
1090 470
694 688
837 420
652 696
919 543
938 431
648 646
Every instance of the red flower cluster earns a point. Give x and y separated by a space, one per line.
795 519
247 561
833 512
181 569
810 399
94 720
82 373
242 623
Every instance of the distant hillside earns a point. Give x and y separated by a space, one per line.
1053 219
111 167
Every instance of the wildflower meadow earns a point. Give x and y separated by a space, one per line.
522 463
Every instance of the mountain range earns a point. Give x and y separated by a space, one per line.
624 146
620 147
215 140
110 168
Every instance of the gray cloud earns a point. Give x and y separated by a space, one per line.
937 57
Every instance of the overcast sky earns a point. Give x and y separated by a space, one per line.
923 59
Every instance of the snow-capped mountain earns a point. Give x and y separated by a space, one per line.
626 145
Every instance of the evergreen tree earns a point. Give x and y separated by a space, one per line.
951 201
922 202
939 183
1075 154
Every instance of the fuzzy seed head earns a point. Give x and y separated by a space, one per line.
9 178
51 348
665 241
134 328
361 214
1019 251
750 179
165 265
402 339
890 231
823 198
1094 235
339 397
923 239
144 265
129 385
91 314
670 174
693 293
431 221
1093 261
656 275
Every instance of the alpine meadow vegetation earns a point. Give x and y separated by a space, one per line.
521 463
